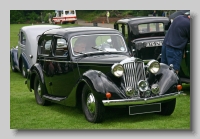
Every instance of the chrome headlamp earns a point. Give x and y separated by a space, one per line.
153 66
117 70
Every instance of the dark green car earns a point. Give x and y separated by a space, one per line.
145 35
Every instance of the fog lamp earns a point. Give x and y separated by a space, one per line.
143 85
130 91
147 93
155 88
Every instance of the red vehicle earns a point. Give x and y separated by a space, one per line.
64 16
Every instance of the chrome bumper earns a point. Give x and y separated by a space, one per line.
120 102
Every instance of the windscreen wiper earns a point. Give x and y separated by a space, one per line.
83 55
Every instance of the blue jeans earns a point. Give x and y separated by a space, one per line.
171 55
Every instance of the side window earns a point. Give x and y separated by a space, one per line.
126 32
44 45
61 47
120 27
23 38
151 27
66 12
123 28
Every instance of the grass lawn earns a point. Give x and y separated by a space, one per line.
25 113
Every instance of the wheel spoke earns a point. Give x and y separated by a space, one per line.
39 90
23 70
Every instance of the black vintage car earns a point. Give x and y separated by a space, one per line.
144 35
93 69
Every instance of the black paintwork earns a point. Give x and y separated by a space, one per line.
63 77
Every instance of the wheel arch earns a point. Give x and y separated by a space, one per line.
35 70
84 81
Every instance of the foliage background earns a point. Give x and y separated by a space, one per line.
37 16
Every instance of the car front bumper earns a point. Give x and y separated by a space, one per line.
121 102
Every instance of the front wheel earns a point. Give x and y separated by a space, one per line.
167 108
93 109
39 92
12 65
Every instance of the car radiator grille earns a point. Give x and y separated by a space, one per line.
133 72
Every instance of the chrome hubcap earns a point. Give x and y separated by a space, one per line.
91 103
23 69
39 90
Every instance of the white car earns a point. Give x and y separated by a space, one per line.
23 56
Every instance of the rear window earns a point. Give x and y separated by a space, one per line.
151 27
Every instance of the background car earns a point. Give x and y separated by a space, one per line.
144 36
23 56
93 69
64 16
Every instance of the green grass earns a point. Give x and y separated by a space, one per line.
25 113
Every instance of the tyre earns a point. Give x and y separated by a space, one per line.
24 71
167 108
12 65
39 92
92 108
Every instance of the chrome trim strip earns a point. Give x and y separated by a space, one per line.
147 60
103 63
55 61
121 102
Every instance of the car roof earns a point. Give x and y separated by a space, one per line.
145 19
39 27
33 31
81 30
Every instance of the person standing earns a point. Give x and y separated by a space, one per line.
154 13
50 16
107 16
42 20
175 41
163 14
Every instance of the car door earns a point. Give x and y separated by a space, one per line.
45 59
62 81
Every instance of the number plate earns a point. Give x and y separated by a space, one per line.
147 108
152 44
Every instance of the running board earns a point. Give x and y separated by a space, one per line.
54 98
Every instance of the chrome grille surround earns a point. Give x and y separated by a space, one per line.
134 71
